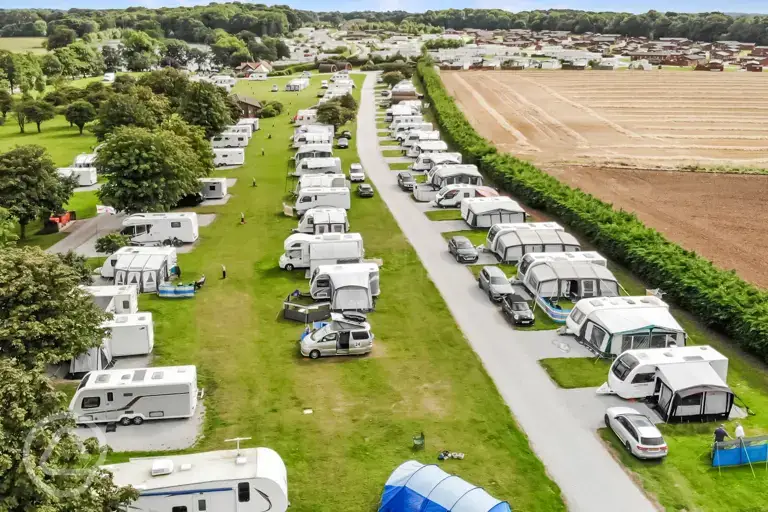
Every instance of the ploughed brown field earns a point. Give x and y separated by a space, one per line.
610 133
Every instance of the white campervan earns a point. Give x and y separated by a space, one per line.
84 176
450 196
228 156
230 140
161 228
313 197
321 181
317 221
311 251
135 395
313 151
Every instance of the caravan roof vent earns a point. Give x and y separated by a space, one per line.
668 354
185 467
157 375
102 378
693 358
240 460
162 467
120 320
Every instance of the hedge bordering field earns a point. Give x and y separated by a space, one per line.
719 298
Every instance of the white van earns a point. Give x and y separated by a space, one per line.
312 138
135 395
320 181
311 251
224 157
230 140
317 221
85 176
312 197
161 228
450 196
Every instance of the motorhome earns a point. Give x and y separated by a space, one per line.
317 221
400 120
450 196
312 138
416 136
314 128
311 251
297 84
612 325
320 181
253 122
136 395
484 212
108 268
242 480
114 299
224 157
402 129
313 151
305 116
312 165
349 287
230 140
213 188
130 334
427 161
533 259
313 197
84 176
510 242
427 146
245 129
144 271
161 228
633 374
85 160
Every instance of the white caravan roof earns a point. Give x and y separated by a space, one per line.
593 257
147 376
587 306
440 158
327 215
682 376
85 160
128 319
212 180
319 163
446 171
481 205
319 180
628 320
432 145
142 218
674 355
538 236
325 190
199 468
307 148
110 290
552 270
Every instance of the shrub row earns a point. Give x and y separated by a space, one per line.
719 298
298 68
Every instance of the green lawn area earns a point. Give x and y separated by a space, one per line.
509 270
476 237
382 125
365 409
443 214
400 167
389 143
577 372
84 203
391 152
23 44
62 142
96 262
420 178
43 241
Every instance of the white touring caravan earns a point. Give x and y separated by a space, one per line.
131 334
427 146
243 480
310 251
313 151
312 138
317 221
633 374
114 299
84 176
402 109
416 136
161 228
401 129
85 160
318 166
108 269
451 196
144 271
427 161
213 188
136 395
228 156
397 121
230 140
484 212
253 122
305 116
349 287
245 129
225 81
320 181
612 325
313 197
510 242
314 128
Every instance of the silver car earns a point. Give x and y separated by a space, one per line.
638 434
346 334
494 282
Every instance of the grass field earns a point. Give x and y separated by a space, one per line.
400 167
23 44
62 142
577 372
84 203
422 375
443 214
476 237
389 143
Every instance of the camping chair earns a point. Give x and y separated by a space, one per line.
199 283
419 441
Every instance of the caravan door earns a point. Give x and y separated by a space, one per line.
120 277
149 281
134 278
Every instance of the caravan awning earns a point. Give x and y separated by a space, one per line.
618 321
681 376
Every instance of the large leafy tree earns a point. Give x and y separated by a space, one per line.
204 104
6 102
167 81
148 170
139 51
22 70
113 57
392 78
30 187
333 113
31 405
44 317
61 37
123 110
226 46
174 53
7 228
202 163
38 111
79 113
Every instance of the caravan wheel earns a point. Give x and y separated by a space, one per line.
138 420
125 421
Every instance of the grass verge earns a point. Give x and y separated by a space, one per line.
84 203
401 166
476 237
443 214
62 142
577 372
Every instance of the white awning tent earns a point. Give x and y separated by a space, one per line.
511 246
692 391
484 212
145 271
351 292
96 358
450 174
574 279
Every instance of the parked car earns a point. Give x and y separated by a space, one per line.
379 80
406 181
386 94
462 249
343 143
275 88
637 432
356 173
346 134
494 282
346 334
324 84
364 190
516 309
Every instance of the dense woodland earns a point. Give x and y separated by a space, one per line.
197 24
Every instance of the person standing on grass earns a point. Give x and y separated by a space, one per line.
721 434
739 433
223 271
242 218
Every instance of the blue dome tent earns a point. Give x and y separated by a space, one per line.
414 487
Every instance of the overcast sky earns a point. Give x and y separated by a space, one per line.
747 6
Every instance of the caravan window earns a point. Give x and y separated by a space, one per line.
306 199
323 283
175 224
243 492
644 378
110 397
660 340
692 399
201 506
359 335
179 509
90 402
624 365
